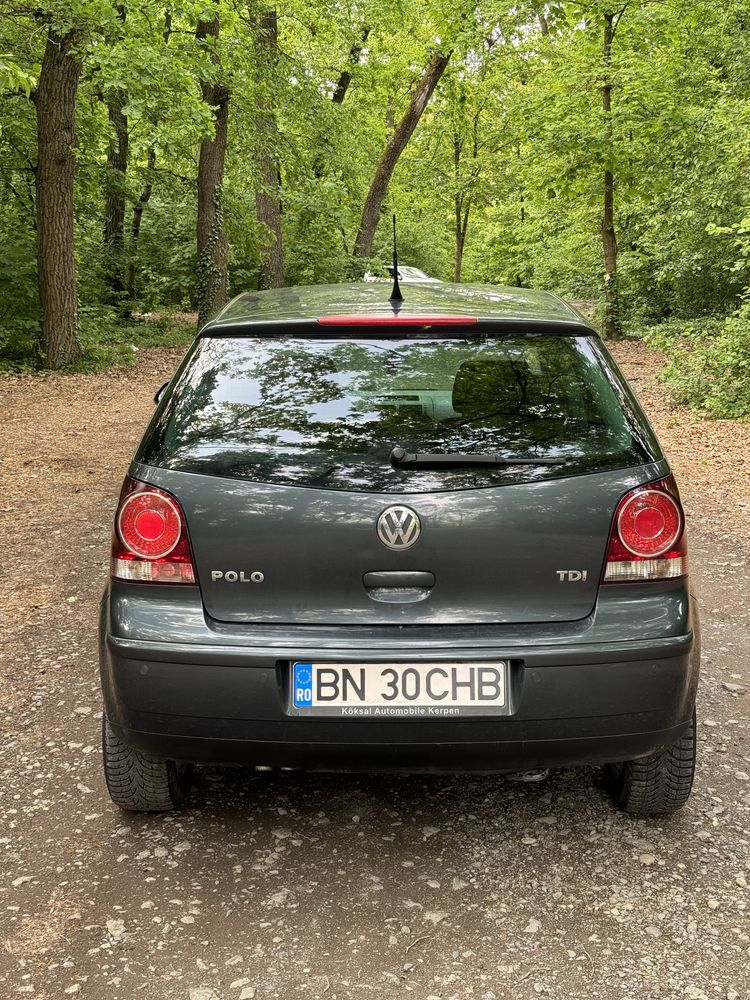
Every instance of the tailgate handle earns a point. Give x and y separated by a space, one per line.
399 578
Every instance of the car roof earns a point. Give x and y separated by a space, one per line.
360 302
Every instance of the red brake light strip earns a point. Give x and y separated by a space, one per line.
397 320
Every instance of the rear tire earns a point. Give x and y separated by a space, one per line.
659 783
139 782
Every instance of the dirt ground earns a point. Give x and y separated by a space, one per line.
710 458
279 885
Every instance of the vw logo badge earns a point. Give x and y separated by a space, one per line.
399 527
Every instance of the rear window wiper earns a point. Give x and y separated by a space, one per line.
402 459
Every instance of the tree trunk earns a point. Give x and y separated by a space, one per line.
463 198
346 74
135 226
268 195
609 245
339 95
462 225
462 207
212 242
393 150
56 137
611 324
114 201
143 200
114 189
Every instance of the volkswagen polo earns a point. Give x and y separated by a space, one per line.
430 535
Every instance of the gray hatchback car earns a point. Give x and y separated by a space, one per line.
432 535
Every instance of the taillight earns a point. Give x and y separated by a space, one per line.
648 539
150 542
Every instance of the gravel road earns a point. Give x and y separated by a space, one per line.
278 885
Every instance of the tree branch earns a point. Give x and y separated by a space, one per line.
346 76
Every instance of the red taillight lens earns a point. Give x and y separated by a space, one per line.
149 524
648 535
649 522
150 543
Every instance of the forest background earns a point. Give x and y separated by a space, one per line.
158 157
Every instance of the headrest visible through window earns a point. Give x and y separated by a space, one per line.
491 385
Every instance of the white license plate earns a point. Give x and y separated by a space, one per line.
399 689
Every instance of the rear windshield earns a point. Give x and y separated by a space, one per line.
326 413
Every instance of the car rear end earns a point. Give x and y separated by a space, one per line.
285 593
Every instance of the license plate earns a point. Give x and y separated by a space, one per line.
399 690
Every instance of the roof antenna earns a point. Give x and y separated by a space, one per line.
396 295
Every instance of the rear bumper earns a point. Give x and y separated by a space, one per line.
426 756
577 703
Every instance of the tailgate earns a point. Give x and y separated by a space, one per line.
530 552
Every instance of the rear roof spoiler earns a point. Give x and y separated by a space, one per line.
416 325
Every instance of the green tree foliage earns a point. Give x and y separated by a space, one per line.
503 179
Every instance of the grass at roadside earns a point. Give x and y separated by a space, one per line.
107 340
707 362
115 343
